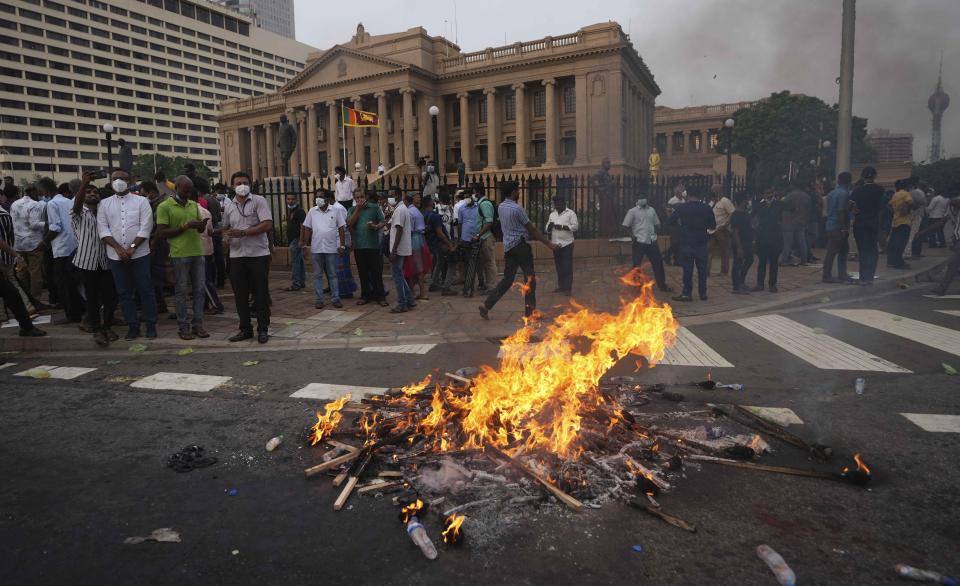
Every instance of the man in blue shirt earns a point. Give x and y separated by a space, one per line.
63 244
837 229
517 229
695 218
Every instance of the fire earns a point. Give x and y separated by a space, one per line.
535 398
755 443
410 511
451 532
860 465
416 387
328 421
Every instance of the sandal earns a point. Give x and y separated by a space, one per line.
384 303
363 302
398 309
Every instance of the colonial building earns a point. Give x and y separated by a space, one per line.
556 104
691 140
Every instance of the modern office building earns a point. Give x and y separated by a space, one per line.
154 69
274 15
554 105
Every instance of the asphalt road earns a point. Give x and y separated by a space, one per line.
83 468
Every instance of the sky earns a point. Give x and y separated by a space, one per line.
715 51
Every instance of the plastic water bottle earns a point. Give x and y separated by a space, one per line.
924 575
419 536
860 385
731 386
781 570
274 443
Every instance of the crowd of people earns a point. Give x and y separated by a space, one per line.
97 248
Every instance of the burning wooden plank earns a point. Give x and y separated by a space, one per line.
559 494
354 477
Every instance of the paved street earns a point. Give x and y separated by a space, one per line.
87 467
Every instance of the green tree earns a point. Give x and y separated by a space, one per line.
147 165
789 128
941 175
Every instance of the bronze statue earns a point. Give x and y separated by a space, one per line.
286 143
654 162
603 183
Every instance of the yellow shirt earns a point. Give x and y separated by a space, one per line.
901 203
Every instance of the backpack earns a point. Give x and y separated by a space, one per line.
495 229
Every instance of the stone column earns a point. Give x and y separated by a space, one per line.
293 166
313 157
615 79
270 148
493 131
382 145
550 89
357 140
523 131
333 136
442 137
408 132
302 140
254 159
465 148
583 129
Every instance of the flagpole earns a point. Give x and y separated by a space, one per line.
343 137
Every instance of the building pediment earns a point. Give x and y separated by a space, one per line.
341 64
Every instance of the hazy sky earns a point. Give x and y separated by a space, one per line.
713 51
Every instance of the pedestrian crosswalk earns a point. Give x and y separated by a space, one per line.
934 422
689 350
820 350
955 312
401 349
60 372
921 332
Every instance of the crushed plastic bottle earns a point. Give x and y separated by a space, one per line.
419 536
860 385
919 575
780 569
274 443
731 386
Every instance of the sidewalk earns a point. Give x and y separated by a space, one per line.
295 324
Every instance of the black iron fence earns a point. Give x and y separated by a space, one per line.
600 203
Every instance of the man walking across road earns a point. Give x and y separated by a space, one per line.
246 222
642 221
324 228
695 218
838 227
517 230
866 203
295 217
179 223
561 225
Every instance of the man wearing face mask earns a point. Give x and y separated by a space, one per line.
324 228
179 223
431 181
295 217
246 222
344 187
124 222
642 222
92 263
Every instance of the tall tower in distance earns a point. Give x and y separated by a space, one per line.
937 103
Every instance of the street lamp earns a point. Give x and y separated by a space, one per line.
108 130
434 112
728 123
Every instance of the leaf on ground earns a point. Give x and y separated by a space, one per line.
113 362
251 363
824 299
948 369
138 348
38 373
819 331
897 318
185 351
358 332
289 322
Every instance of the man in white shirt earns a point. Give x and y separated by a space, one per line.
642 221
324 228
723 210
63 244
937 210
343 188
29 220
561 225
400 249
124 222
380 169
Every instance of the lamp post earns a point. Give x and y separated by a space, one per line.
434 112
108 130
728 124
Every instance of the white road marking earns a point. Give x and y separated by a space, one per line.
689 350
820 350
938 337
180 381
60 372
779 415
955 312
943 296
43 319
328 392
935 423
402 349
7 365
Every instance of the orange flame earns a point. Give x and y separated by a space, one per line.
328 421
860 464
451 534
411 511
755 443
535 397
416 387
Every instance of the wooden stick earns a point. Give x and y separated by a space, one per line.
561 496
338 480
777 431
766 468
672 519
342 446
458 378
390 474
352 481
314 470
379 486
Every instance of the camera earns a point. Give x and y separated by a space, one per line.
97 174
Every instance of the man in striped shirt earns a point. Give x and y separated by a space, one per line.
92 263
8 292
517 229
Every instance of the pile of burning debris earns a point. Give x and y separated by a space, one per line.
543 427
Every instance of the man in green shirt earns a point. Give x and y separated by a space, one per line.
365 222
178 221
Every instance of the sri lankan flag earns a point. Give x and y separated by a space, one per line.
353 117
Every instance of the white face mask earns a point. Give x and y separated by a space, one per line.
322 203
243 190
392 201
641 203
119 185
